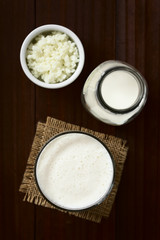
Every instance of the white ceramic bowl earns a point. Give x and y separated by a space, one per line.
47 28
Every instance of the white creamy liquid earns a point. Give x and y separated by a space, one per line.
74 171
120 89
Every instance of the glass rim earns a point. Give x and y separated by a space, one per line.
102 198
137 76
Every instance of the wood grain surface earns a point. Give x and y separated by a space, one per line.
127 30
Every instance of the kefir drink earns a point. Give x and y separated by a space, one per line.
74 171
120 89
114 92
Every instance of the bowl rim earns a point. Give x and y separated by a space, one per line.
45 28
76 209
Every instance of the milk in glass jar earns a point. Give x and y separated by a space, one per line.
114 92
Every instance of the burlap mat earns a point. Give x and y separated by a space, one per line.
52 127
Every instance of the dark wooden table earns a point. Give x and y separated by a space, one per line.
127 30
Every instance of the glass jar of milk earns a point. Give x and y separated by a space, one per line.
114 92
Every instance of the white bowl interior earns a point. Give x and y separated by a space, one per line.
47 28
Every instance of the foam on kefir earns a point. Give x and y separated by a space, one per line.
74 171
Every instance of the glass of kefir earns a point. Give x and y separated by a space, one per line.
74 171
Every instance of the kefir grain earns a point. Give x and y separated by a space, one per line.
52 57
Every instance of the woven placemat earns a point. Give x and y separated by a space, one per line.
47 130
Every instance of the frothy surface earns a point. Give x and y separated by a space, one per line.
74 171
